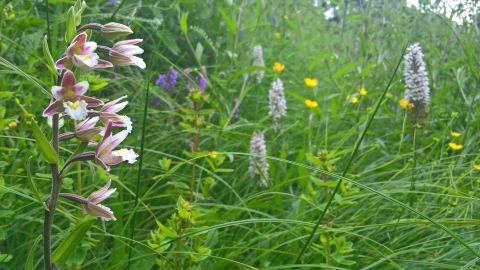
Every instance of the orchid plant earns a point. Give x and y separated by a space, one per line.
70 101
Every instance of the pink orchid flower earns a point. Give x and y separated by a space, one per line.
122 53
82 54
70 99
109 113
86 129
95 209
104 152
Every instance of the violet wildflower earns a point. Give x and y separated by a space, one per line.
258 62
95 209
167 81
277 103
258 164
416 77
201 82
274 19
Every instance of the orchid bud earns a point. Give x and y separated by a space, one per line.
93 207
112 30
86 130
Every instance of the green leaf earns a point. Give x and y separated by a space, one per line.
29 264
231 25
470 61
206 111
314 160
71 26
345 68
169 232
78 9
68 246
33 187
187 110
199 51
367 69
183 23
44 145
195 231
314 62
6 94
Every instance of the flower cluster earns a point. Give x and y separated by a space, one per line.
258 62
167 81
258 164
277 103
71 101
416 77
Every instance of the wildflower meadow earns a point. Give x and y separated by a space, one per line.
239 134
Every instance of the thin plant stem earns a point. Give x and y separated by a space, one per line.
352 157
56 185
140 162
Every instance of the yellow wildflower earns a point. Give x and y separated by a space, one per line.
455 134
310 103
213 154
406 105
277 35
354 100
363 92
278 67
13 124
455 146
285 17
310 82
476 167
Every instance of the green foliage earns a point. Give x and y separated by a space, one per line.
201 205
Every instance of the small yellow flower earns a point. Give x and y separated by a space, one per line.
213 154
311 104
406 105
285 17
354 100
455 146
278 67
455 134
476 167
13 124
363 92
310 82
277 35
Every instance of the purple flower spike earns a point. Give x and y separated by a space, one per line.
167 81
201 82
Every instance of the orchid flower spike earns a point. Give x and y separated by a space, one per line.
104 154
70 99
109 113
82 54
122 53
95 209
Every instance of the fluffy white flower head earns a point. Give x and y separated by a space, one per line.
277 102
258 164
416 79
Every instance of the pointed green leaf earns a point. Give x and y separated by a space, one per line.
347 67
29 264
169 232
48 57
44 145
314 160
183 23
71 26
68 246
33 187
199 51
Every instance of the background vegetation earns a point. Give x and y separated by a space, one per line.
405 201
